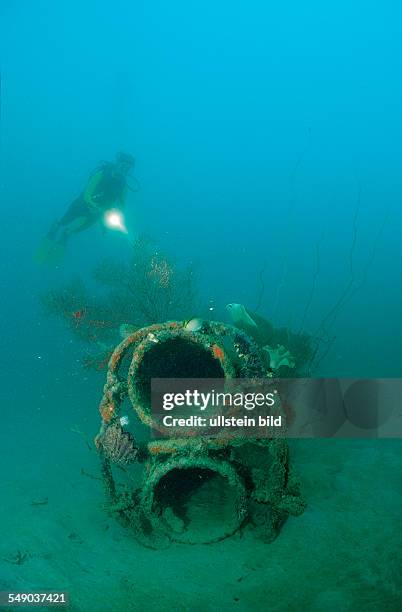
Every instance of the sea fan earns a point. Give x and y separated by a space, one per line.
118 445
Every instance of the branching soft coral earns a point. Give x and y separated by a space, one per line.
148 289
86 316
66 300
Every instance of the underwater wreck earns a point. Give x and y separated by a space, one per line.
198 488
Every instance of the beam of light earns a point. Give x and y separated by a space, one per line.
114 219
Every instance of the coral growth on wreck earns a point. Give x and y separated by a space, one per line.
150 288
279 357
117 445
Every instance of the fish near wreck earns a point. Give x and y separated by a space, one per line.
194 325
257 327
300 346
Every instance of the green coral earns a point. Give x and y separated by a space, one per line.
279 357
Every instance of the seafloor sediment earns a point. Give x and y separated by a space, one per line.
343 553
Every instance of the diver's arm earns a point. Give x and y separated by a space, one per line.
91 189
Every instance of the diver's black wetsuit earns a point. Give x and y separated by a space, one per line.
80 209
105 188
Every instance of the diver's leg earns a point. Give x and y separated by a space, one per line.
75 209
76 218
78 208
78 225
54 228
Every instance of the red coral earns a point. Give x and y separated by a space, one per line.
217 351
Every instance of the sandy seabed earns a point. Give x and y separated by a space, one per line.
343 553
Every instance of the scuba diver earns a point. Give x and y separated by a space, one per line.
106 189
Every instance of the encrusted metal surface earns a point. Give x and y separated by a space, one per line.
255 473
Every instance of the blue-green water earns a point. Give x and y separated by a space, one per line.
267 140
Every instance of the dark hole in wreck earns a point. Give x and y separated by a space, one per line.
174 358
196 504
